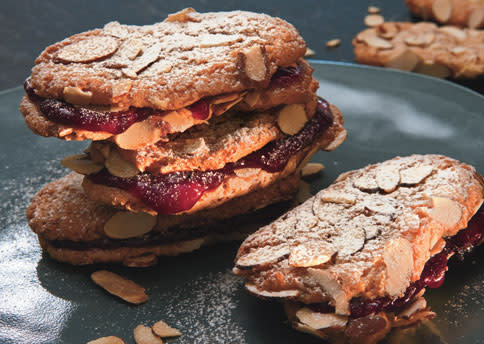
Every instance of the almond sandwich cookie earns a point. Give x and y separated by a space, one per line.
463 13
445 52
354 260
193 120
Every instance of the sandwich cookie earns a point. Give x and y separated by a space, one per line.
354 260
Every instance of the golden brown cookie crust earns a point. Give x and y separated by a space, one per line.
78 218
423 47
402 207
464 13
168 65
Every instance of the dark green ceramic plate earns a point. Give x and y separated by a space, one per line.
387 113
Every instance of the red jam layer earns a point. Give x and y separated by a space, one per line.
432 276
119 121
179 191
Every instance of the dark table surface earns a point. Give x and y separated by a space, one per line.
29 26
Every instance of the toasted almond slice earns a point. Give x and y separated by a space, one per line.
263 255
124 224
265 293
119 167
445 211
372 20
403 59
196 146
309 330
142 261
373 10
366 183
330 285
436 70
81 163
420 40
150 54
377 42
131 48
308 254
455 32
163 330
77 96
107 340
255 64
144 335
476 18
387 30
309 52
333 43
339 197
88 50
311 169
349 241
252 98
379 207
292 118
413 308
415 175
398 258
120 286
459 50
181 16
442 10
137 136
387 179
320 321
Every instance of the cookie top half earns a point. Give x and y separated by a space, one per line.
170 64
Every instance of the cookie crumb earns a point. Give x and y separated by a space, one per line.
373 20
333 43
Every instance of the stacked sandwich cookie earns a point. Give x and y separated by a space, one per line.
194 121
353 261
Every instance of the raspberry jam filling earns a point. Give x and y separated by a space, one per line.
179 191
118 122
432 276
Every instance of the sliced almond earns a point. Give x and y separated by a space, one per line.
379 207
144 335
319 321
436 70
65 131
421 39
309 254
292 118
309 330
196 146
77 96
254 62
263 255
387 30
265 293
349 241
377 42
123 225
459 50
445 211
143 261
150 55
372 20
311 169
339 197
119 167
88 49
455 32
330 285
387 179
415 175
442 10
366 183
413 308
403 59
246 172
120 286
333 43
476 18
309 52
107 340
163 330
398 258
373 10
181 16
81 163
252 98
